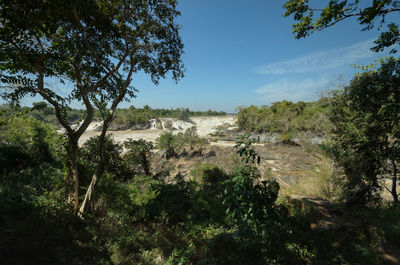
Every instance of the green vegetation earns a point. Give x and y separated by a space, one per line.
215 217
134 115
143 219
172 144
338 10
138 156
366 139
286 117
43 112
138 214
130 116
93 46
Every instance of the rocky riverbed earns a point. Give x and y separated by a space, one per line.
220 130
204 125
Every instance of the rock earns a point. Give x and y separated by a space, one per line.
210 153
158 124
118 127
98 127
162 153
141 126
168 124
183 153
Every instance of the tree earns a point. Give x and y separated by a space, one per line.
92 48
366 115
137 156
169 143
338 10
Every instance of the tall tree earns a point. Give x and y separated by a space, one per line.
94 48
366 116
319 16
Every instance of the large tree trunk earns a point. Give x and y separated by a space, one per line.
394 183
107 119
101 166
99 171
72 156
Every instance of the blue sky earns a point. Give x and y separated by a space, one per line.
243 53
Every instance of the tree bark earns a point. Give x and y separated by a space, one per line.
394 183
72 153
99 171
101 165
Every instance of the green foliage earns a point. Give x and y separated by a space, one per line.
216 219
211 218
169 143
251 207
174 143
365 116
43 112
191 139
135 116
24 141
137 156
114 163
35 214
208 174
338 10
285 117
95 47
245 149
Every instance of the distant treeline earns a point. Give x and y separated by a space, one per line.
134 115
286 117
44 112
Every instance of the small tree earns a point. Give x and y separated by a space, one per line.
192 139
137 156
168 142
251 203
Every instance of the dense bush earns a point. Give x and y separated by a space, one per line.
286 117
169 143
209 217
366 132
114 164
192 140
137 156
44 112
172 144
134 115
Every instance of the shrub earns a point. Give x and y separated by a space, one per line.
285 116
169 143
191 139
208 174
112 157
137 156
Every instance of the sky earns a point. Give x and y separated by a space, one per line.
241 53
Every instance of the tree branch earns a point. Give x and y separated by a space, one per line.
93 52
57 108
